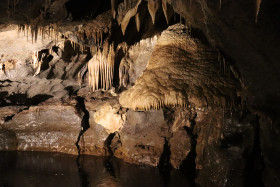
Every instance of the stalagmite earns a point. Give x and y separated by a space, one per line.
138 23
153 6
132 12
258 5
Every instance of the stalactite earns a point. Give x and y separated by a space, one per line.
27 30
153 6
101 69
43 33
95 38
114 8
126 4
224 61
132 12
32 35
101 37
18 30
98 38
137 20
39 65
258 5
35 58
56 36
36 33
220 4
181 19
164 8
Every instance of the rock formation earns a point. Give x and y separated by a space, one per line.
188 84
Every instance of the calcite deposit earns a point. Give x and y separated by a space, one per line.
187 85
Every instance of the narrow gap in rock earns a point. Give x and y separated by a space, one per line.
81 108
83 175
108 161
108 143
188 166
255 162
23 99
8 118
164 163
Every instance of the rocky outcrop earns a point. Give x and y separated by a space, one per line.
115 80
140 140
51 126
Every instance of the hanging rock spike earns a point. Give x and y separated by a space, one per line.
113 7
137 20
258 5
153 6
164 8
126 4
102 66
132 12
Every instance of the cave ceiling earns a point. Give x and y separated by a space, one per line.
245 32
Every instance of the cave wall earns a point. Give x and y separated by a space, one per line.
235 130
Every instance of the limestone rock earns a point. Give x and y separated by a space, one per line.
109 118
48 127
180 72
140 140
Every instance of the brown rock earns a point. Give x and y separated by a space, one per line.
48 127
140 140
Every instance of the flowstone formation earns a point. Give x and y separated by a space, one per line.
181 71
184 84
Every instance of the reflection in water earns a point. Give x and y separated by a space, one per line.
28 169
82 174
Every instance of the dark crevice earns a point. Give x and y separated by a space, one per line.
255 162
108 164
169 115
188 166
108 143
81 108
22 99
164 163
86 9
8 118
84 178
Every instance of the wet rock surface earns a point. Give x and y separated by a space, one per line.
182 84
140 140
47 127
